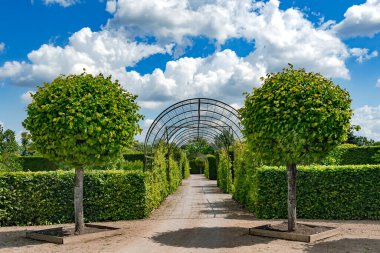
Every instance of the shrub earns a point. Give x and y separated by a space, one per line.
323 192
134 157
36 163
33 198
224 179
184 165
348 154
212 167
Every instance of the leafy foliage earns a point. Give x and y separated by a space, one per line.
211 170
323 192
8 151
224 179
36 163
184 165
199 146
296 117
82 119
46 197
349 154
224 140
357 140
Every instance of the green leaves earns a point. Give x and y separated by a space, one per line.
82 119
295 117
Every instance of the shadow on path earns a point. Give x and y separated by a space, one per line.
209 237
12 239
346 245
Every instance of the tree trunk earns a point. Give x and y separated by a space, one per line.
78 201
292 201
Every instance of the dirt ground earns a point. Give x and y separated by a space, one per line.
199 218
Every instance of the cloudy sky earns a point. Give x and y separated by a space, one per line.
169 50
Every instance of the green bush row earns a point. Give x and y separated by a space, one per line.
211 171
323 192
348 154
32 198
224 178
184 165
138 156
36 163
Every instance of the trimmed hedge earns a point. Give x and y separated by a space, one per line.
134 157
28 198
323 192
197 166
212 167
184 165
352 155
36 163
224 180
33 198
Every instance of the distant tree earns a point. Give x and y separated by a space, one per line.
8 150
357 140
224 139
199 146
296 117
82 121
26 142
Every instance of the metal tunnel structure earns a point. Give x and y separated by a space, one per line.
190 120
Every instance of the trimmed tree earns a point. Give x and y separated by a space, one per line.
82 121
296 117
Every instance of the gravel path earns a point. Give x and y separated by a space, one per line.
199 218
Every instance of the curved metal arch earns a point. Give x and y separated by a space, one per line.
194 137
191 131
206 121
220 114
190 119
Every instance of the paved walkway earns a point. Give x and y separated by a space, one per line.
200 218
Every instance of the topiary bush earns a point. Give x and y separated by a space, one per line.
212 167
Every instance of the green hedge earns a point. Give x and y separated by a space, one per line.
323 192
224 179
36 163
352 155
212 167
197 166
134 157
184 165
33 198
28 198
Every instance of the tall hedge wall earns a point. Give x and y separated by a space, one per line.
212 167
28 198
352 155
323 192
224 179
36 163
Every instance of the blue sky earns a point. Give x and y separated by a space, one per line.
169 50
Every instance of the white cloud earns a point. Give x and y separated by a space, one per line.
363 54
368 118
378 83
107 52
360 20
64 3
2 47
223 74
26 97
280 37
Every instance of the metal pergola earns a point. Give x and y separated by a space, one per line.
190 120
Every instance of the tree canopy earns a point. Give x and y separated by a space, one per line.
82 119
295 117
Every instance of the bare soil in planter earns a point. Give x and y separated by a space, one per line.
69 231
303 229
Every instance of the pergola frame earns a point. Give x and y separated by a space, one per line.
190 120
